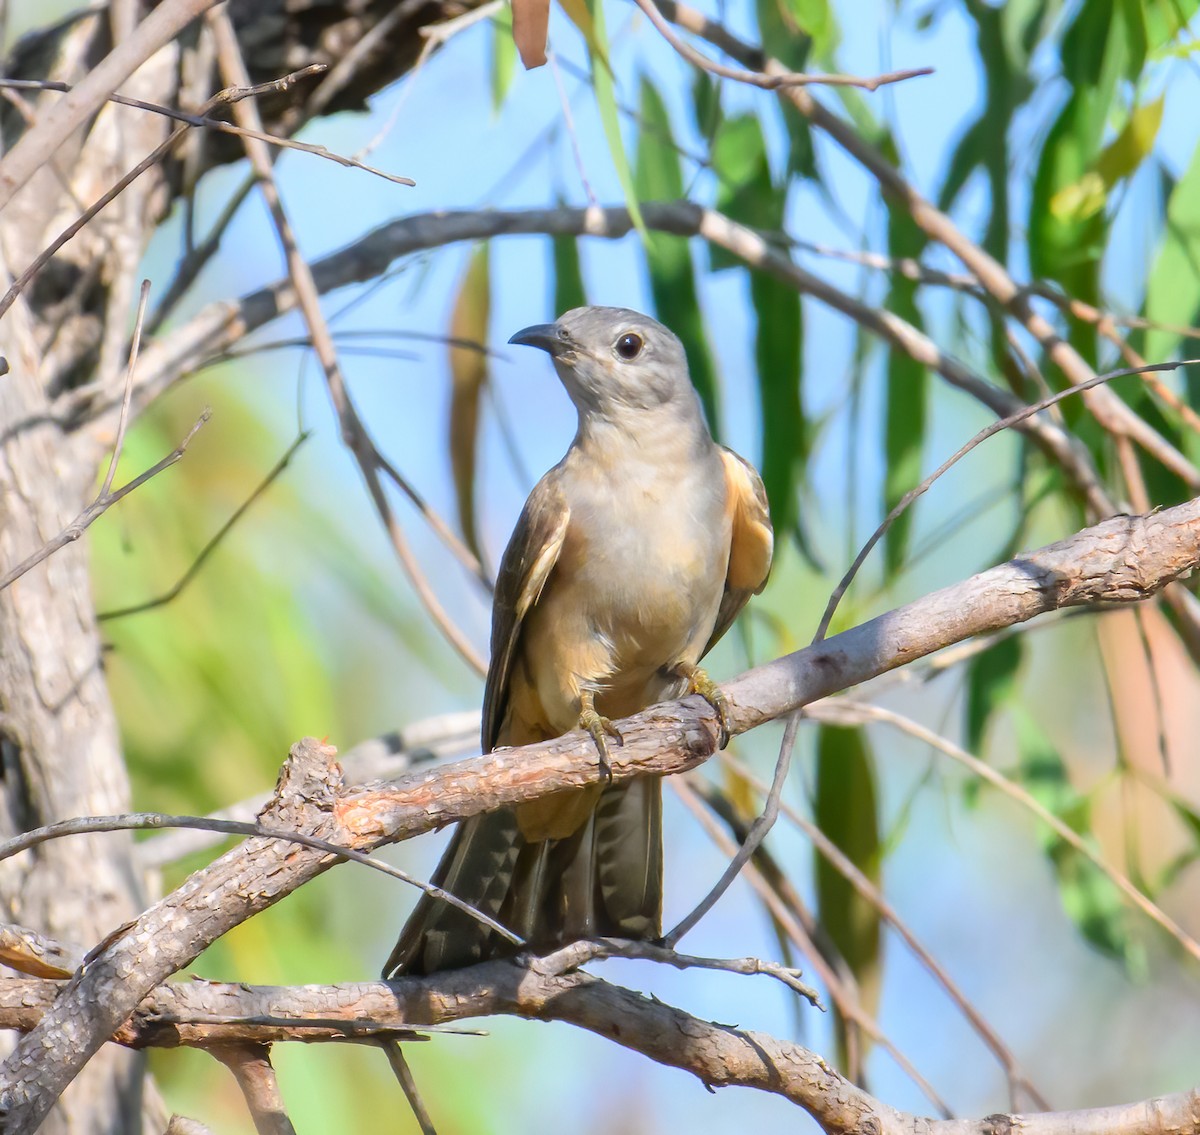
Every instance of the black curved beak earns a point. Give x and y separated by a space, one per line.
544 336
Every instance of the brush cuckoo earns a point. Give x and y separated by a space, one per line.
631 558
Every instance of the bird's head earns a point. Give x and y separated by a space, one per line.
612 359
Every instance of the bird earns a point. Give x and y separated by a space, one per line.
631 558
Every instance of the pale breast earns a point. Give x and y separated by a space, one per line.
637 584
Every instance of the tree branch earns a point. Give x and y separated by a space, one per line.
210 1013
1124 559
211 333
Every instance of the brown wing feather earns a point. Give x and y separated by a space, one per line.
525 566
751 544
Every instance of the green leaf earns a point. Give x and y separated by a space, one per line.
777 352
504 56
1089 897
816 19
606 102
658 177
845 810
468 374
1066 244
991 683
1173 290
907 392
1117 161
1126 152
1165 19
777 25
747 194
569 291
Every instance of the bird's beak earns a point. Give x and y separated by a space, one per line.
544 336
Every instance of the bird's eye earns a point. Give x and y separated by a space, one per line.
629 345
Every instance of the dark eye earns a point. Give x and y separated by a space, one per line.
629 345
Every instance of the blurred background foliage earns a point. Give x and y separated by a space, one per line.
1061 137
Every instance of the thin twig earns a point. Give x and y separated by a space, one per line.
35 146
577 954
123 420
843 993
982 436
408 1085
846 867
221 126
233 68
251 1068
99 506
755 836
152 821
217 327
193 570
230 96
846 711
769 82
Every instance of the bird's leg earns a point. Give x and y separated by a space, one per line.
700 683
600 728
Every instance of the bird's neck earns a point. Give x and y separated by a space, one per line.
640 432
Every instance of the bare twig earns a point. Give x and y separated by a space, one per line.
123 420
219 124
153 821
408 1085
577 954
230 96
844 711
988 431
251 1068
718 1055
872 894
98 507
774 81
843 988
754 837
33 148
354 433
1120 559
217 327
193 570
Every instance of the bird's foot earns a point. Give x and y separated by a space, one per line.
700 683
601 729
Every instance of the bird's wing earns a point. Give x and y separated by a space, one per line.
526 565
751 540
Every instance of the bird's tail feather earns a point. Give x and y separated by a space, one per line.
603 881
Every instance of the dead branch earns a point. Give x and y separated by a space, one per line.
103 502
251 1068
35 148
354 433
1123 559
719 1055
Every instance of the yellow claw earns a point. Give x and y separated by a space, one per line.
600 728
700 683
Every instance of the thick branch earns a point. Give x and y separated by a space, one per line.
209 1014
1124 559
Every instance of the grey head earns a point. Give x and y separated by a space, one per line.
613 361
